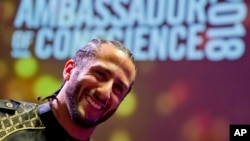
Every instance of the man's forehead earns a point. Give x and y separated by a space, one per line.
108 52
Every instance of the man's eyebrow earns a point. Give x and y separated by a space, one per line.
125 87
107 71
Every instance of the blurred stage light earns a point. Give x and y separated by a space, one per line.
120 135
46 85
26 67
128 106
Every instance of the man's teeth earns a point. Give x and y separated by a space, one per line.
93 103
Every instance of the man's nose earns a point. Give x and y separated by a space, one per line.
105 90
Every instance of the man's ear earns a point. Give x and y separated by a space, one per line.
69 65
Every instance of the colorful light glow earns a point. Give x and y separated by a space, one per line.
45 85
165 104
120 135
26 67
128 106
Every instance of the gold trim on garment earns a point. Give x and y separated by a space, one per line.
25 117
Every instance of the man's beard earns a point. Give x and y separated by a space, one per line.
75 114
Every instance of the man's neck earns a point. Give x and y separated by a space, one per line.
60 110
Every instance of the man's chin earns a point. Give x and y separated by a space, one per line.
86 123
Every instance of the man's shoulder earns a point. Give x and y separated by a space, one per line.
10 106
18 115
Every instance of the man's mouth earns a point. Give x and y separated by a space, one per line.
93 103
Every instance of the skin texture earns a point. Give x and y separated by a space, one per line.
93 92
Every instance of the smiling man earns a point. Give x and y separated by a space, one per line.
96 80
